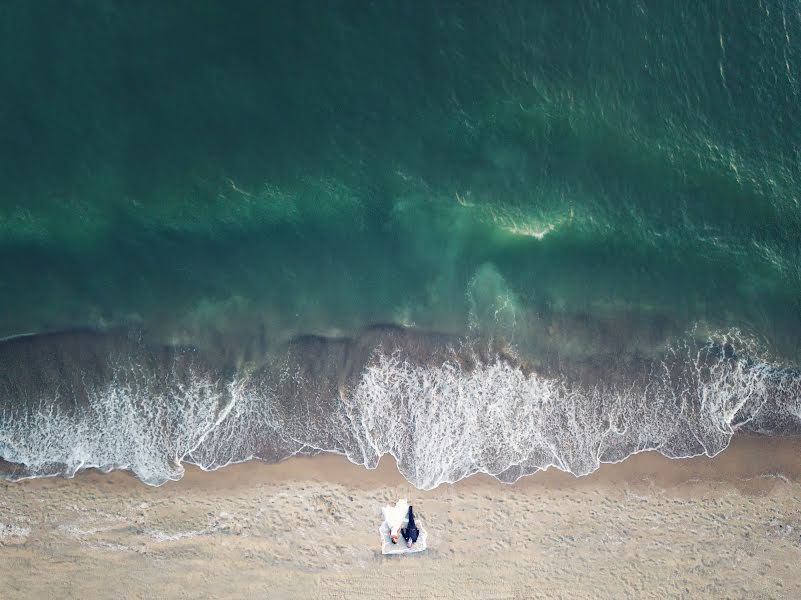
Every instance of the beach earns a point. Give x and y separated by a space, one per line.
650 527
533 266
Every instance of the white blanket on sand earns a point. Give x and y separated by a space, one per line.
395 518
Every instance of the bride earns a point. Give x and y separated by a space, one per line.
395 517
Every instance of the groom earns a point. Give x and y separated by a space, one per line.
410 533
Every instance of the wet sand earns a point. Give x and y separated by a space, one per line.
649 527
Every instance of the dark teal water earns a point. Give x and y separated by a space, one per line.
594 180
300 165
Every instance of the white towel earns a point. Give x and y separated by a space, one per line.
396 517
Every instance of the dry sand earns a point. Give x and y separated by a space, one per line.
726 527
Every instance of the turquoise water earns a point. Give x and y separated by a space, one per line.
593 181
301 166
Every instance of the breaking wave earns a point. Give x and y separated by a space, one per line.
444 408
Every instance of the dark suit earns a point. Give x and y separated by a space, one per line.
410 532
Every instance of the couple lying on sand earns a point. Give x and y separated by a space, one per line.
396 516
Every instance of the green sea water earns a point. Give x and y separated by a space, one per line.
239 173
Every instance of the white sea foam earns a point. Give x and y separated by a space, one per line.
441 422
122 426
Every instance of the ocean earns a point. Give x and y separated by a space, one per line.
476 236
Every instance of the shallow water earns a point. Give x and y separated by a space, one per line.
577 191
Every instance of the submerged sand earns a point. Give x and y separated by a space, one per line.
646 528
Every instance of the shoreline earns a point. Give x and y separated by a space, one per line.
749 462
307 528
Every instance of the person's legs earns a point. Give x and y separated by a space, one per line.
410 517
